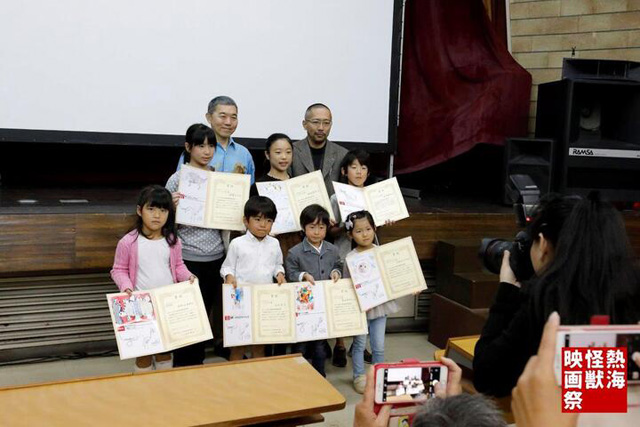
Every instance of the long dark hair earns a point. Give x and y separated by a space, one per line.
593 270
549 216
158 197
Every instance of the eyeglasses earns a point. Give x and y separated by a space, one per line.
326 123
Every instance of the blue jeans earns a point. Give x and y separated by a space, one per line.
377 328
319 356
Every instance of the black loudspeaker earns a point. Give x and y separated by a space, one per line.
596 127
532 157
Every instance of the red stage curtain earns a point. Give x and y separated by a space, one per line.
460 85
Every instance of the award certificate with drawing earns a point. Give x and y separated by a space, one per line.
386 273
292 312
158 320
383 199
212 199
278 192
292 196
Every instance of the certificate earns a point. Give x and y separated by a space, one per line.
158 320
277 191
386 273
292 312
292 196
383 200
212 199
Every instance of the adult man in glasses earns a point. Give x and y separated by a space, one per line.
316 152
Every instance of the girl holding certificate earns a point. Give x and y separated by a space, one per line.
203 249
150 256
362 230
279 154
354 170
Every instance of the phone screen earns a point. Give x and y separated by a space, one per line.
411 384
630 340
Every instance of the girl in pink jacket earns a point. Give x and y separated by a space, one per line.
150 256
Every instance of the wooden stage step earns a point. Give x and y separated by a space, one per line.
450 319
49 315
473 290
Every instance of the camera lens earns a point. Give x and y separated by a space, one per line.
491 251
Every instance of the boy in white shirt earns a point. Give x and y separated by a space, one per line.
254 258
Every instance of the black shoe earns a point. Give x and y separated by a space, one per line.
368 357
339 357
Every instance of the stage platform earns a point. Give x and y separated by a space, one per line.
122 200
55 230
51 230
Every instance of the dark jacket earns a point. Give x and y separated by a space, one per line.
509 338
305 258
303 162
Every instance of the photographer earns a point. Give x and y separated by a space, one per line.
581 256
451 407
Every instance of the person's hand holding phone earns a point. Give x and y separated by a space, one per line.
365 416
537 399
453 386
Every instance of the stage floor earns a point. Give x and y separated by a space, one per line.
122 200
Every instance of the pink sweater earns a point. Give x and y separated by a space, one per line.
125 262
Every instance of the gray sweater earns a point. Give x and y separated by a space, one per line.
198 244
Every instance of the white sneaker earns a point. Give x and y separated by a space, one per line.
359 383
165 364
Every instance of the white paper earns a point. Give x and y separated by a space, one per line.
277 191
237 315
367 279
350 199
193 185
311 312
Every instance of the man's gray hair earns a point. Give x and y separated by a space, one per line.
220 100
463 410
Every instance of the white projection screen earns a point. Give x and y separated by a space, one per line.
140 71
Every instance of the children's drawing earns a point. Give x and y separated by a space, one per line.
277 192
195 181
367 279
373 291
237 315
191 211
132 309
304 298
139 339
311 327
240 330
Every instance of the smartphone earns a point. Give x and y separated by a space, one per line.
407 382
627 336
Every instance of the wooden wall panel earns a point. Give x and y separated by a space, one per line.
34 244
543 32
97 237
427 228
59 242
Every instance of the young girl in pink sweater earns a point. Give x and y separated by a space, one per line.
150 256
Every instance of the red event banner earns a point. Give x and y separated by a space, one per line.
594 379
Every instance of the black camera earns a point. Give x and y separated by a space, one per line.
491 251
